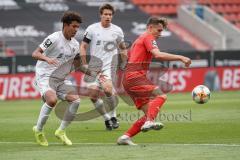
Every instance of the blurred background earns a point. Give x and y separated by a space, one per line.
207 31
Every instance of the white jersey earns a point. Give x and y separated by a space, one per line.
57 46
103 43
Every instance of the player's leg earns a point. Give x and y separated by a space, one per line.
153 108
67 92
69 116
125 139
146 94
136 90
50 100
111 101
141 91
99 105
95 65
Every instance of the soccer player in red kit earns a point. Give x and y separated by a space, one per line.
146 96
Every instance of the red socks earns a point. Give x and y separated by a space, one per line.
136 127
153 107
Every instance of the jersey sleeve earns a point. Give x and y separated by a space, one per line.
88 35
48 42
150 43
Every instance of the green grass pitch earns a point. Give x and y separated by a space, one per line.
191 132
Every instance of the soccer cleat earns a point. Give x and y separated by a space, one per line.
108 125
60 134
40 137
115 123
123 140
150 125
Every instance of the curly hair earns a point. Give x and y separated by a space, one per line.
70 16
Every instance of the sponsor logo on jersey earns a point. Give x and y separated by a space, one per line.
60 55
47 43
98 42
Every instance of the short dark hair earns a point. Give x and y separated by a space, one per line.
70 16
155 20
106 6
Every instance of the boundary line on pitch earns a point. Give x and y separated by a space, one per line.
162 144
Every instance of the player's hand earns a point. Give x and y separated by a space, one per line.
102 78
186 61
52 61
85 66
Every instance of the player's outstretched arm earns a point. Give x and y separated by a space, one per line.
170 57
37 54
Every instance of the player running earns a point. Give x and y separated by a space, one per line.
57 50
146 96
104 39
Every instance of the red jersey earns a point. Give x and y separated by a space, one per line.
139 56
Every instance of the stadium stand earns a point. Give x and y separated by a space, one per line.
223 38
24 26
24 23
188 37
158 7
229 9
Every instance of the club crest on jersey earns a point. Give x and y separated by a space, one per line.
154 43
47 43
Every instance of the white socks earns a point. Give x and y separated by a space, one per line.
101 109
43 116
112 102
69 114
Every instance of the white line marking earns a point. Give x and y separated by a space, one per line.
170 144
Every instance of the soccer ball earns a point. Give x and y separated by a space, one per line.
201 94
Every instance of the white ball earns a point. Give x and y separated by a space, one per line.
201 94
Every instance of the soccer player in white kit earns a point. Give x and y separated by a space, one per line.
105 40
57 49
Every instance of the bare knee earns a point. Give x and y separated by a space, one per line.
108 91
72 98
93 93
107 88
51 101
51 98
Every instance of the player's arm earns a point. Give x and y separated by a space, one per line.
78 66
83 51
85 44
123 54
122 49
38 55
170 57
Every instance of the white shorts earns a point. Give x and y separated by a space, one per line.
61 88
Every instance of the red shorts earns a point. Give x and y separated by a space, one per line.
139 89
